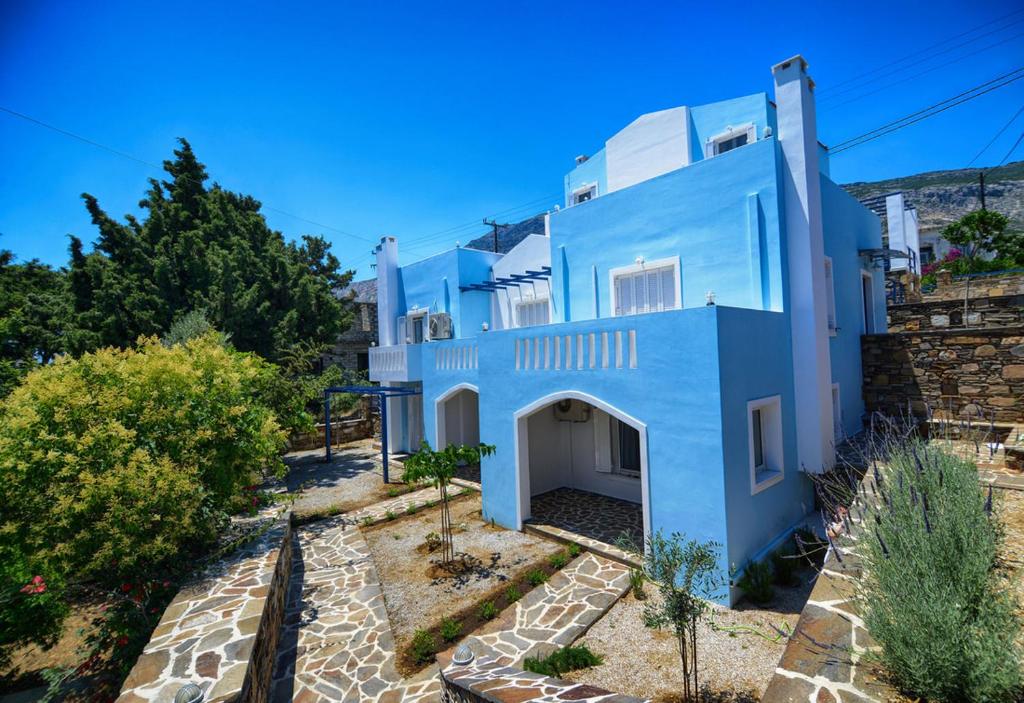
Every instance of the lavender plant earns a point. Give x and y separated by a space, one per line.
930 592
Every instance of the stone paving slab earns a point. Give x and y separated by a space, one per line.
554 614
490 680
337 643
207 634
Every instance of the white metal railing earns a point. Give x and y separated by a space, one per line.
457 357
599 350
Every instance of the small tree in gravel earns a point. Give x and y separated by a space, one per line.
439 468
686 574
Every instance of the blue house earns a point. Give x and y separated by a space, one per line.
676 348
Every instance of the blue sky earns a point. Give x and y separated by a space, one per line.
420 119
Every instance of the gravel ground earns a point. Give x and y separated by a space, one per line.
352 480
413 598
1010 506
642 662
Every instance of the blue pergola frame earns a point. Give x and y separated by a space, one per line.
382 393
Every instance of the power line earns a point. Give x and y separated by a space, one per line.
159 167
886 86
889 66
930 111
998 134
1012 149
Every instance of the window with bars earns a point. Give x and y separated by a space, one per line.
530 313
648 290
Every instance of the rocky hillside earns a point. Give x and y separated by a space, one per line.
944 196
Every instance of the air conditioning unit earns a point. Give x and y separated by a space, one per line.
569 410
440 325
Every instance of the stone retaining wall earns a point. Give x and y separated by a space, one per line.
977 372
950 288
220 632
982 313
349 429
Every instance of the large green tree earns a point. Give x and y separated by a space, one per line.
202 248
33 313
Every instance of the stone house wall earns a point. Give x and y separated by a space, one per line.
352 349
973 371
362 424
993 312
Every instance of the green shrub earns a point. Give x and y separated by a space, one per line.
756 582
390 515
32 606
487 610
423 646
944 618
411 509
562 661
118 467
784 564
450 629
113 463
558 561
512 593
574 550
636 583
536 577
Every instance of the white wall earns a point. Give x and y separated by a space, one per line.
651 145
564 454
530 254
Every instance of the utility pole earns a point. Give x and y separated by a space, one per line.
981 181
495 225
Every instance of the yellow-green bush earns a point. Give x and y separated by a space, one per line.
113 464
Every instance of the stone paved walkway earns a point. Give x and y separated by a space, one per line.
555 614
337 643
592 520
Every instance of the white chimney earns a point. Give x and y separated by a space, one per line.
812 367
387 291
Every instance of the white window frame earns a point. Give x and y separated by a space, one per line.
865 311
633 269
711 146
527 300
585 188
410 317
830 296
837 413
772 470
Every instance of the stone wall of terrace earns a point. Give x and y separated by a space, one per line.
221 631
982 313
976 372
954 288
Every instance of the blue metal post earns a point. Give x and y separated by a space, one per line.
327 423
384 433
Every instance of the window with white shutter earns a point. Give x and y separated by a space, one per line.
530 313
645 288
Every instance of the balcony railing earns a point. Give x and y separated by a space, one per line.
456 356
400 362
597 350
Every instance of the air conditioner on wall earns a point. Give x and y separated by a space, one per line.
569 410
440 325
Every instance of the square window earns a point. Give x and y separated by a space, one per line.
645 287
764 427
731 138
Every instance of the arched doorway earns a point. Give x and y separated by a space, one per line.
457 413
581 465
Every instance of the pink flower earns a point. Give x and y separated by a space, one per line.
37 585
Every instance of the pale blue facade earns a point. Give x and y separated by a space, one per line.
661 398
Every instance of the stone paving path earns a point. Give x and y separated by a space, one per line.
554 614
337 643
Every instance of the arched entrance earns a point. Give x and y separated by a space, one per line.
581 464
457 414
